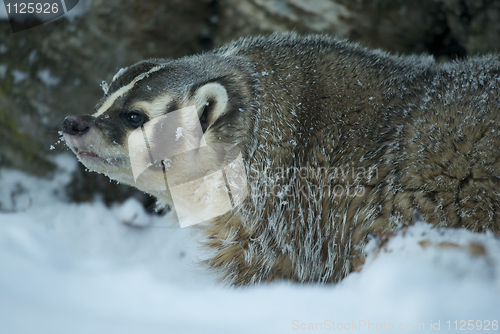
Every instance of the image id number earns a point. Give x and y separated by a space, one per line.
31 8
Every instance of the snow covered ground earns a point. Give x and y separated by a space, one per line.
78 268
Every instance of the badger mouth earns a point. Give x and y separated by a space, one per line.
86 153
93 157
90 156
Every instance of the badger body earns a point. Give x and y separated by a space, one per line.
338 143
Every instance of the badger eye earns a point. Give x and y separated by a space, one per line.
135 118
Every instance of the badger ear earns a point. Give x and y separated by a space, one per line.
211 101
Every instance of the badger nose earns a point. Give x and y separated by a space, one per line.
76 125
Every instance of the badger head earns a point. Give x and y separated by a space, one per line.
165 120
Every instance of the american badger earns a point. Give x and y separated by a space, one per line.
337 143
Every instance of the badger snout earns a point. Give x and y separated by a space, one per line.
77 125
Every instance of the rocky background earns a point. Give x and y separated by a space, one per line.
54 70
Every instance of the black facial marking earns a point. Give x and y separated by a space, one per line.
115 131
134 118
222 80
204 116
172 107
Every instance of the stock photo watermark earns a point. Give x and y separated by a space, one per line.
310 181
28 14
170 154
383 326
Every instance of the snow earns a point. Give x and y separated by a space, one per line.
105 87
33 57
119 73
48 78
19 76
88 268
178 133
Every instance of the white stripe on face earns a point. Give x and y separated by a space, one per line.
120 92
155 108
